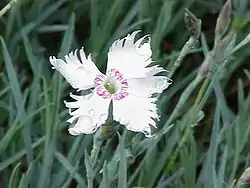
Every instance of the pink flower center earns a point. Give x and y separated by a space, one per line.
112 86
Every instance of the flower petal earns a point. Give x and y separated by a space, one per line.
91 111
130 57
154 70
148 86
79 74
140 118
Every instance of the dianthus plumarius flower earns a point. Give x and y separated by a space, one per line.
129 83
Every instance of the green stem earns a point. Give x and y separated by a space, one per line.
245 41
183 98
90 161
190 121
184 51
185 95
195 108
90 183
95 151
175 154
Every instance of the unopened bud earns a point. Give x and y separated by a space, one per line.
109 130
223 19
192 23
106 131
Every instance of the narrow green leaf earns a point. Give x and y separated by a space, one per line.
18 98
4 164
57 80
105 179
52 28
14 176
26 178
48 159
45 14
204 44
240 94
88 166
63 173
15 126
32 60
80 180
52 117
247 73
68 37
70 177
168 182
222 169
227 114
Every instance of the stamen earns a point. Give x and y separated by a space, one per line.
109 87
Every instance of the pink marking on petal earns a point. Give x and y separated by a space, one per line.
98 80
124 84
120 96
102 91
116 74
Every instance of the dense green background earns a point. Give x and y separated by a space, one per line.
35 147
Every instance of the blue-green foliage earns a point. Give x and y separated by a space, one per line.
202 138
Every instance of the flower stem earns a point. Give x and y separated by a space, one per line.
184 51
95 151
174 156
90 161
104 133
183 98
196 107
90 183
202 90
190 122
245 41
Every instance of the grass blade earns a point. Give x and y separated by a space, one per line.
70 169
14 176
18 98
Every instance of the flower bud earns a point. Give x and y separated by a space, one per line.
106 131
192 23
223 19
109 128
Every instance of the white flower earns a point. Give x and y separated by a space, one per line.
129 82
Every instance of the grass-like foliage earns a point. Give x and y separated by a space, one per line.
202 136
